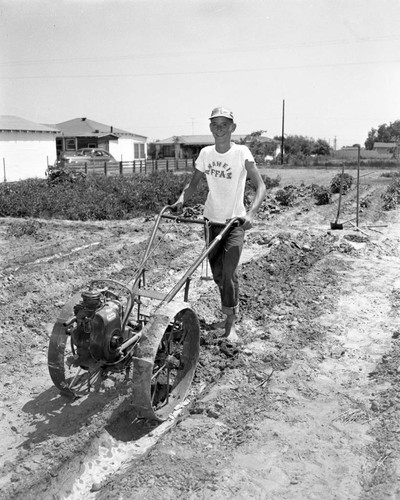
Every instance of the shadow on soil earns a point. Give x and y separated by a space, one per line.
53 414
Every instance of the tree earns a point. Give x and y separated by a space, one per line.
259 146
321 147
369 143
384 133
299 148
301 145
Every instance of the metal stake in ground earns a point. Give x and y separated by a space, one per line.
358 181
336 225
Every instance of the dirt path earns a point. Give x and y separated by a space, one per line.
307 408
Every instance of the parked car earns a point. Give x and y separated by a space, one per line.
91 157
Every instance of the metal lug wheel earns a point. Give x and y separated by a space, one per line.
165 361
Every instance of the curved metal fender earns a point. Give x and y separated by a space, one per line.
143 362
58 339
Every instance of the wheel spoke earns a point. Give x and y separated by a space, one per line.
158 371
71 384
171 345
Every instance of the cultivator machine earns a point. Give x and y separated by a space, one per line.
105 332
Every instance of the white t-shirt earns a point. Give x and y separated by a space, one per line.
226 178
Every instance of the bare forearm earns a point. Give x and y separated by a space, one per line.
187 193
258 199
259 185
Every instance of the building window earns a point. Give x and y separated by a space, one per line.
139 150
70 144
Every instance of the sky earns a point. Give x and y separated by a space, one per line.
325 69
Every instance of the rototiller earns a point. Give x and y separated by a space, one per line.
104 331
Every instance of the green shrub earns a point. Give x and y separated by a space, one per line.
271 183
94 198
77 197
391 196
286 196
29 227
56 175
391 173
347 183
321 194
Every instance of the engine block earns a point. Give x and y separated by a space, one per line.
97 334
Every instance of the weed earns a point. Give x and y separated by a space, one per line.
347 183
391 196
29 227
269 182
321 194
286 196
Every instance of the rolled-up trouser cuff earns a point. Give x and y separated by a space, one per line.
230 311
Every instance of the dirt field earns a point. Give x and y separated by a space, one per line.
306 407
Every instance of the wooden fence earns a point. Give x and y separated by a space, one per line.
127 168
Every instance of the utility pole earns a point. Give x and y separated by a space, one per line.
193 120
283 130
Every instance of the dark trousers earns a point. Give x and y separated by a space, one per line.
224 260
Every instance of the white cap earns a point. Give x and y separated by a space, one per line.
226 113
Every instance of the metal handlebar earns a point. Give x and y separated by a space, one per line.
236 221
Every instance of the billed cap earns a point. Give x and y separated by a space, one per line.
226 113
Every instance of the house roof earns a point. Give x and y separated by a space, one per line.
16 124
83 127
385 144
201 140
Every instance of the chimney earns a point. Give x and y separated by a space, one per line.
111 129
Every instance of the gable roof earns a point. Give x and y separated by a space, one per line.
195 140
82 127
16 124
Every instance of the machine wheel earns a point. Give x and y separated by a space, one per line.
72 380
165 361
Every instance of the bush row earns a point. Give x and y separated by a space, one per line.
92 198
97 198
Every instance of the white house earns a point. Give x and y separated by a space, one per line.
86 133
26 148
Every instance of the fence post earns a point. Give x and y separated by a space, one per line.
4 169
105 168
121 168
166 166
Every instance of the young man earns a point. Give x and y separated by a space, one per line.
226 166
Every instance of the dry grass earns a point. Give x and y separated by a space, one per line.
321 176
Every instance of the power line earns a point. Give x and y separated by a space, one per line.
235 50
204 72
